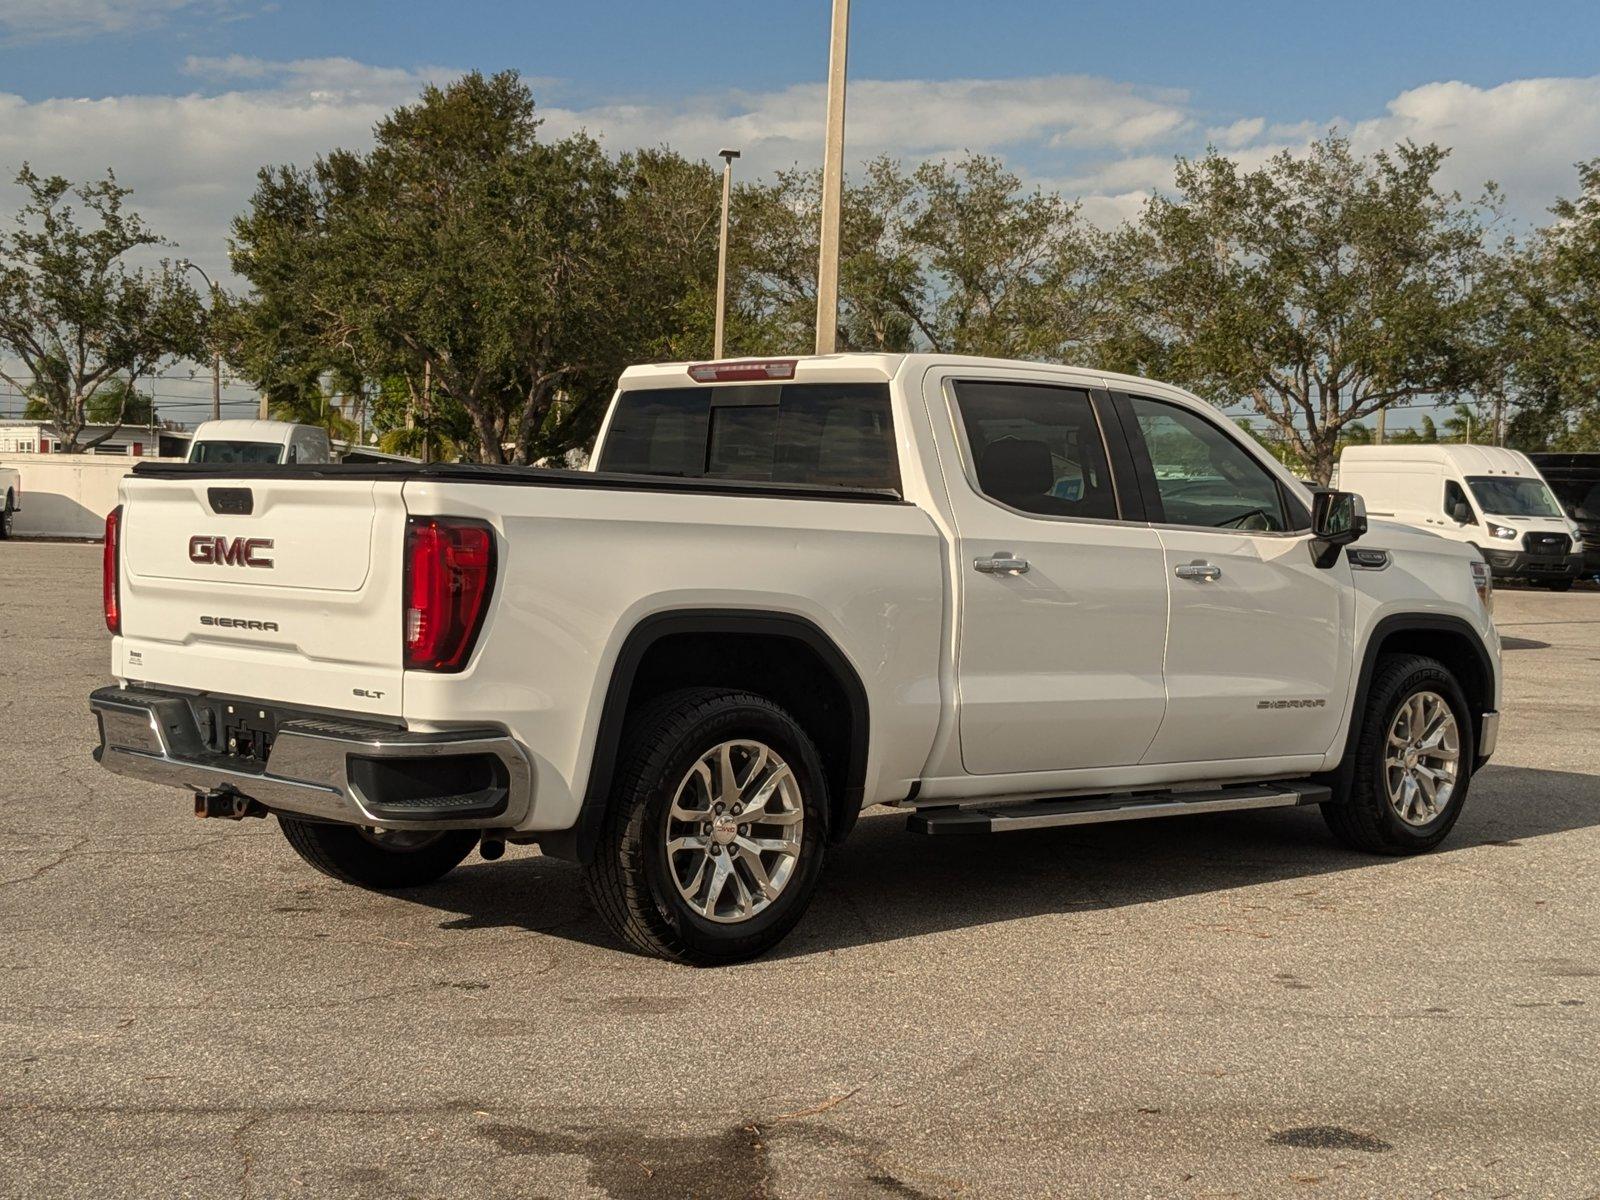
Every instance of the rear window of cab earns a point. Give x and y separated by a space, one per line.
840 435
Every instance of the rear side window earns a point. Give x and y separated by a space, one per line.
1037 448
835 434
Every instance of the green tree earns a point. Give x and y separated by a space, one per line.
84 324
1323 287
1552 326
519 274
113 402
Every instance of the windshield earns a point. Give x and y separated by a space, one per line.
236 453
1508 496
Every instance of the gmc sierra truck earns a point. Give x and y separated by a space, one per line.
999 595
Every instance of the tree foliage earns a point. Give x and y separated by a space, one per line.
1322 288
86 325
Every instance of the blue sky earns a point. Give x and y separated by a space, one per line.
186 99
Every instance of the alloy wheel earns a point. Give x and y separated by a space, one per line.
1422 758
734 831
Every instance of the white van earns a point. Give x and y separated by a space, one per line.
258 443
1492 498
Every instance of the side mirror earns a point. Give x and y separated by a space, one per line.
1461 513
1337 519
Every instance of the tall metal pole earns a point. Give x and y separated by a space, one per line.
832 185
216 347
722 250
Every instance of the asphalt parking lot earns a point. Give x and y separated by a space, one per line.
1223 1006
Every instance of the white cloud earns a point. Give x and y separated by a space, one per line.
192 159
39 20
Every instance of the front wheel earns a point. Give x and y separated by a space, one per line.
378 858
1560 585
7 514
1413 760
712 841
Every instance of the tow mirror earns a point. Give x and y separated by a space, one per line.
1337 519
1461 513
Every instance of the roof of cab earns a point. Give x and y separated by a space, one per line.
858 367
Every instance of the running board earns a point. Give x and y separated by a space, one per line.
1095 810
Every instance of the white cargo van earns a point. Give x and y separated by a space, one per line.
1492 498
258 443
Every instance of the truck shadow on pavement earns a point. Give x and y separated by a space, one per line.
885 884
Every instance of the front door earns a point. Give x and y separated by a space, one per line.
1257 661
1063 605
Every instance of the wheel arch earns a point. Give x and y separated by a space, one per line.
746 648
1450 639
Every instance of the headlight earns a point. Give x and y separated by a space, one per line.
1502 532
1483 584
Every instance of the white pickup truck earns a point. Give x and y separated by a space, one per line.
1001 595
10 498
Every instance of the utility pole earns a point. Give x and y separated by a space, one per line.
216 345
727 157
832 185
1382 423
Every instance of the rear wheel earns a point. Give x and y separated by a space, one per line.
378 858
712 842
6 517
1413 760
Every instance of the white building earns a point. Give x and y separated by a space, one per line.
22 436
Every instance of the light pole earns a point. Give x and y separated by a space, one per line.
832 185
216 349
727 157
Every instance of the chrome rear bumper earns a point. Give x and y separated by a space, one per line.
316 764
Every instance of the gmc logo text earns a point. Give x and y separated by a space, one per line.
225 552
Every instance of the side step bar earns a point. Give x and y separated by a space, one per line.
1096 810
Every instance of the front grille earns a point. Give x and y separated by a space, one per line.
1547 543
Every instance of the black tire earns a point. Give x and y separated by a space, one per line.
1560 585
351 855
6 512
1365 820
630 879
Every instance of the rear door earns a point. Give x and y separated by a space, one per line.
1063 603
1257 657
281 589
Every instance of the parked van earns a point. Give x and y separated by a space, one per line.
1492 498
1575 479
258 443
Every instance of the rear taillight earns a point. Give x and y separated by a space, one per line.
110 576
449 573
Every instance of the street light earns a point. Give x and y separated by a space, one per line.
216 350
832 185
727 157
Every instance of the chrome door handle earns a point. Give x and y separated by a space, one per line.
1001 564
1198 570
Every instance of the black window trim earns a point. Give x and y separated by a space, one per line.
1293 511
1130 511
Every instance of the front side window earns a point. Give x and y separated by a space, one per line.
1037 448
1456 505
835 434
1203 476
1508 496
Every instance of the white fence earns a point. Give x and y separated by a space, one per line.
68 495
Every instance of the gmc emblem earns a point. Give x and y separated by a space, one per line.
223 552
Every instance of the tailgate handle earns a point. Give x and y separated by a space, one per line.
231 502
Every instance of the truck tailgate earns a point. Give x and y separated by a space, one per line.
275 589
